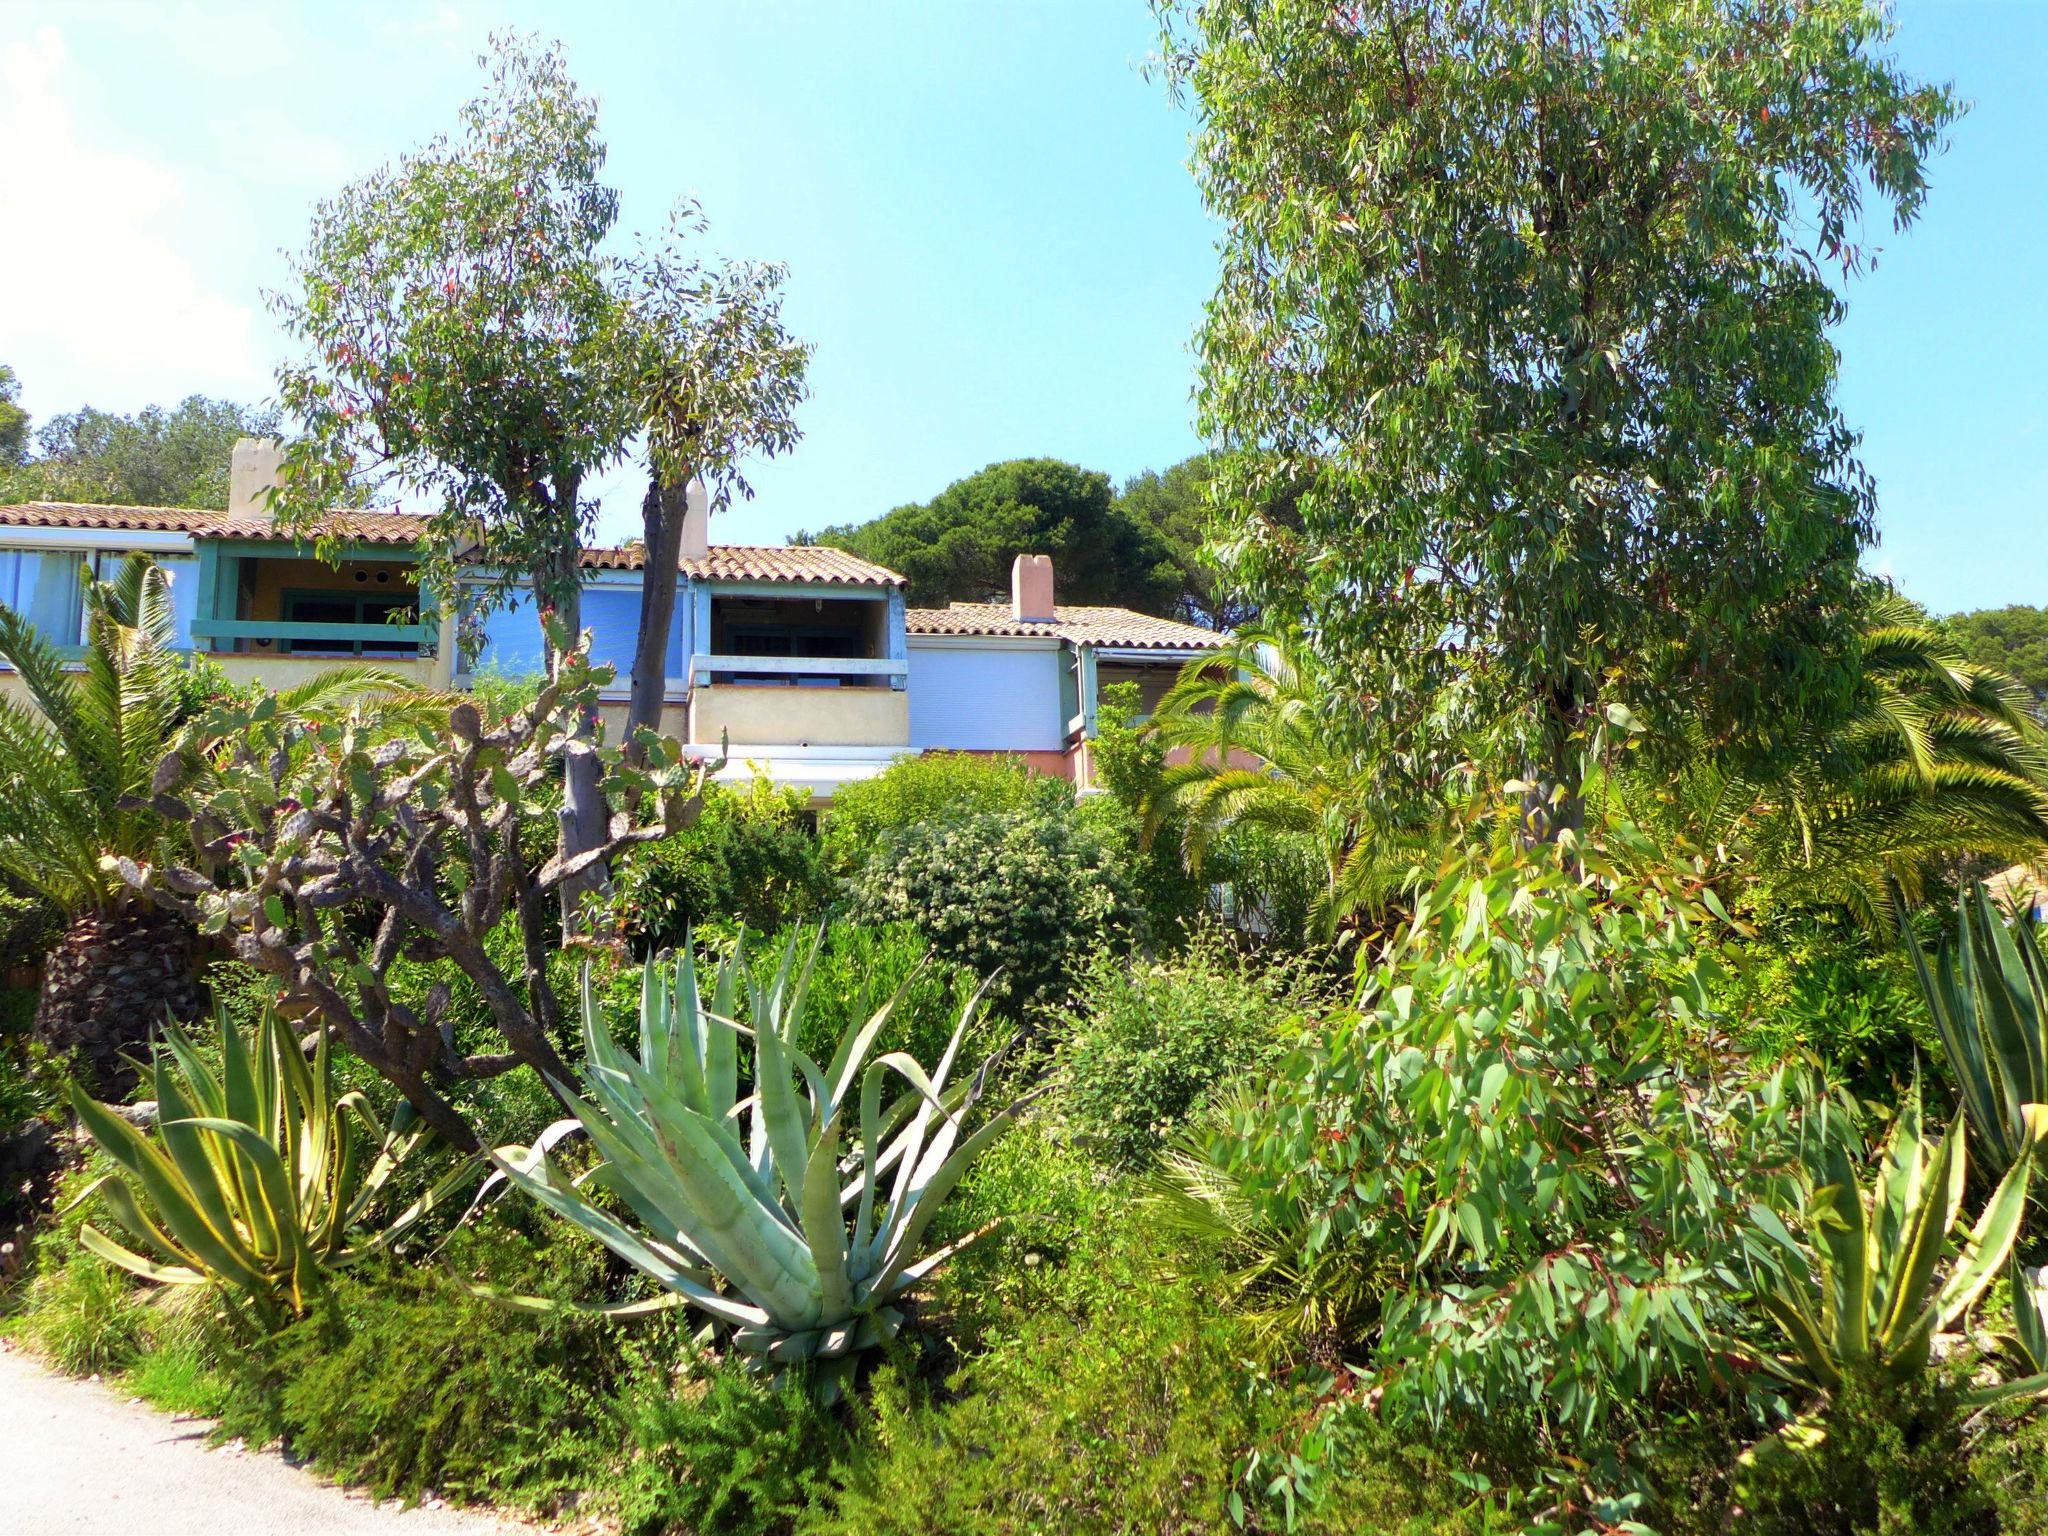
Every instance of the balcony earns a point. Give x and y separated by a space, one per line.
287 637
777 714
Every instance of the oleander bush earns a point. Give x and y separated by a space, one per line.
1023 896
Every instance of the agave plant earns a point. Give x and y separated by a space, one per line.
259 1176
1874 1296
1988 993
794 1215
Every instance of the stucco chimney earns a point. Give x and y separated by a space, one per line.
696 522
253 472
1031 589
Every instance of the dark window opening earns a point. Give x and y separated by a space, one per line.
380 609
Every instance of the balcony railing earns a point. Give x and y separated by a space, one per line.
812 671
382 638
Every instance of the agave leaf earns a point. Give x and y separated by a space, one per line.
721 1046
92 1238
752 1245
824 1224
447 1185
781 1115
906 1228
1984 1253
121 1204
1997 983
615 1310
276 1196
1929 1217
1950 1003
1788 1309
2003 1391
165 1187
692 1045
581 1213
855 1044
2030 1312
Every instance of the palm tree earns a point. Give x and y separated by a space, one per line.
75 780
1939 759
1266 741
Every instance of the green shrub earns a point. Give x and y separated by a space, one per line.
1527 1135
2009 1465
1811 982
1893 1461
1126 764
1028 894
859 968
74 1309
84 1317
723 1454
1052 1209
1128 1410
748 859
1143 1045
930 790
411 1382
29 925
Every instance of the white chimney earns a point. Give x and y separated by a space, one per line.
696 521
1031 589
254 471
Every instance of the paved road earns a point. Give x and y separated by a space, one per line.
77 1458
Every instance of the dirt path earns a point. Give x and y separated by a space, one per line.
75 1457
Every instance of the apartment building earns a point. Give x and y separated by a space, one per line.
805 659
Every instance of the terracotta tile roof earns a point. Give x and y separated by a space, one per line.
87 514
359 527
1077 624
201 523
796 563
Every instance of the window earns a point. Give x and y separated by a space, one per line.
780 640
367 608
45 587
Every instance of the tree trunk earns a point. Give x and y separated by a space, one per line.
558 584
110 982
1557 800
662 514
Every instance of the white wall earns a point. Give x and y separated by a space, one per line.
985 699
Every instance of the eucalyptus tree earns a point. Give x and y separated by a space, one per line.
715 379
471 340
1533 302
462 345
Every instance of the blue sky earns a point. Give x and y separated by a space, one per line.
993 240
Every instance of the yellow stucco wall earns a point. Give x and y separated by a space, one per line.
277 672
675 721
823 717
